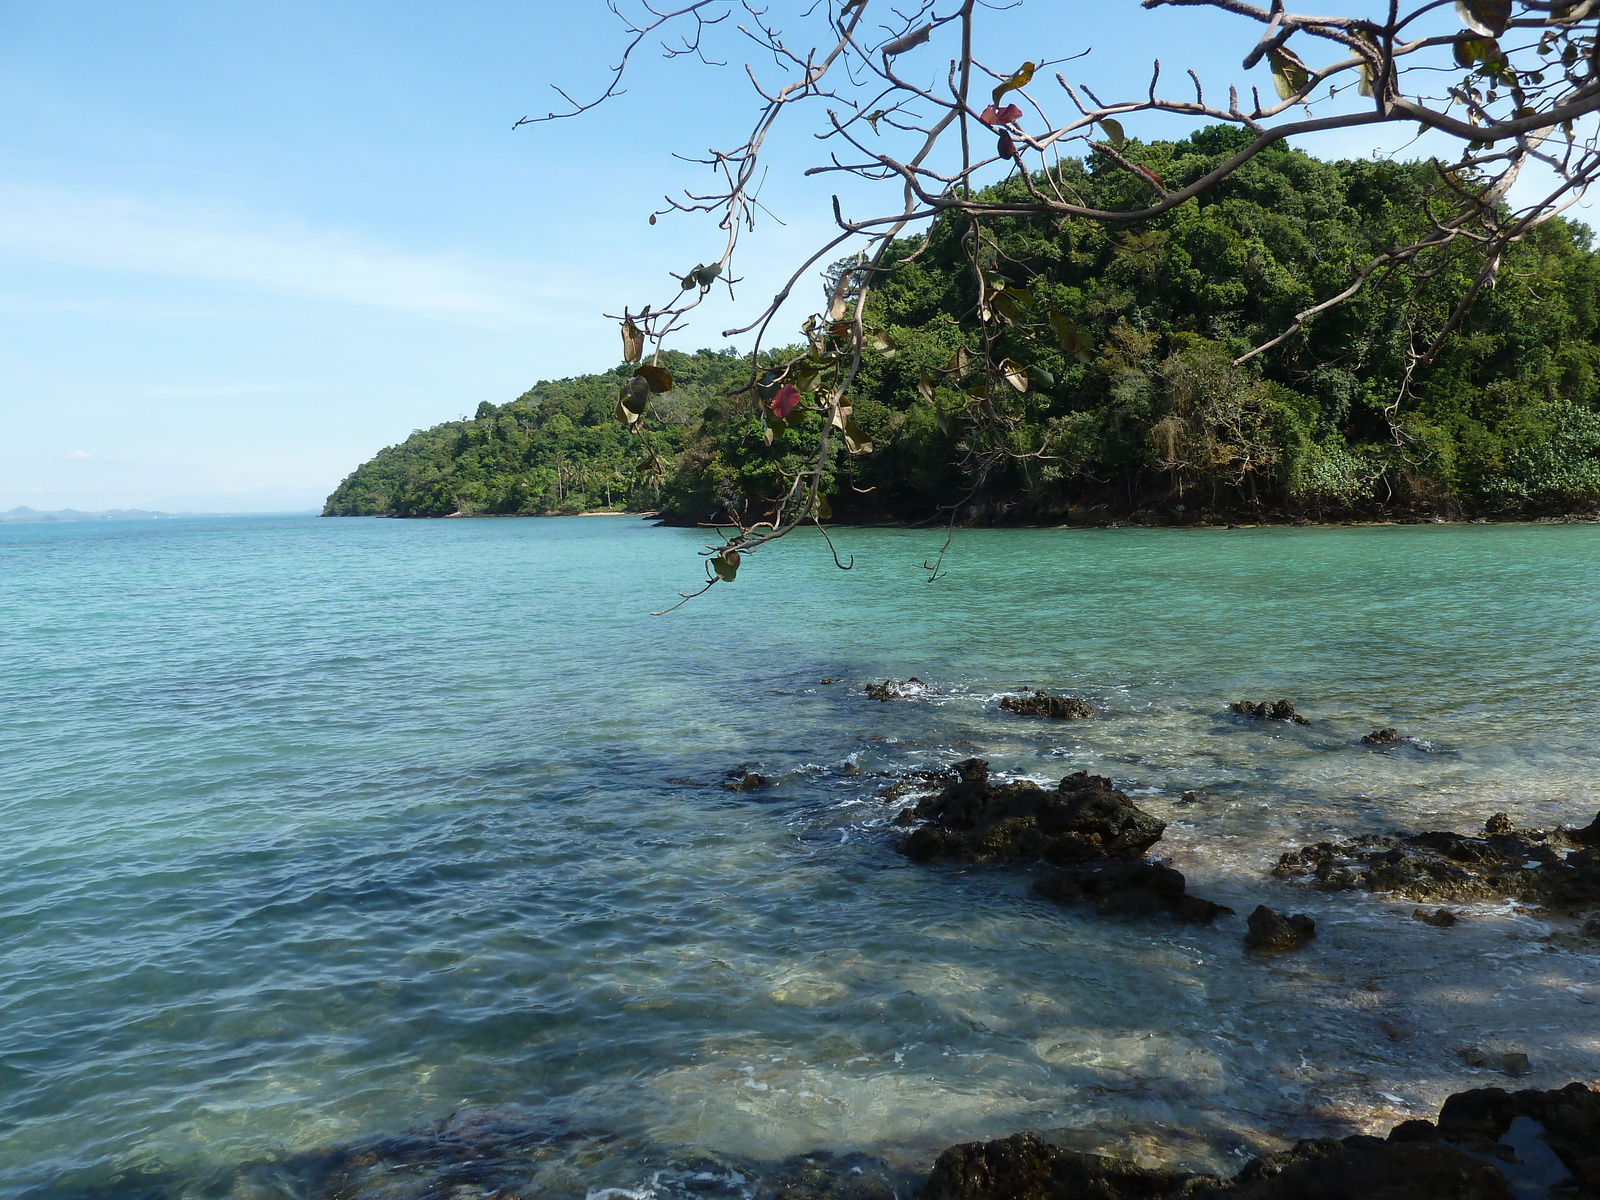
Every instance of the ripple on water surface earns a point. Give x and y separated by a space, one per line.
320 831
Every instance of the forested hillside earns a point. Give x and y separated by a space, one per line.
1147 415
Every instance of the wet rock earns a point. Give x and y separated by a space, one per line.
1557 868
1025 1167
1189 798
1133 887
1486 1145
1442 918
1515 1063
1083 819
1091 833
1474 1056
1387 736
743 779
896 689
1498 825
1046 704
1280 710
1273 930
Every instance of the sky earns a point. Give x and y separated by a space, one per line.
244 246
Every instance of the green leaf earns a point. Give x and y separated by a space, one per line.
1007 308
726 565
885 345
1113 131
704 275
1071 339
1289 74
774 427
1038 377
1488 17
855 440
1470 50
659 379
909 42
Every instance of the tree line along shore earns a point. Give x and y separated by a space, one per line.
1147 418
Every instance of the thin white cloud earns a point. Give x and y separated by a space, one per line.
125 235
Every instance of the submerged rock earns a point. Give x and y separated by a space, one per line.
1487 1145
1558 868
1083 819
1025 1167
1046 704
1387 736
896 689
1441 918
1281 710
1135 887
1273 930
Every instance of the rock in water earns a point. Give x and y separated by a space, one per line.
1045 704
1387 736
1280 711
1093 834
1083 819
1025 1167
1443 918
1135 887
1272 930
1546 1143
1559 868
896 689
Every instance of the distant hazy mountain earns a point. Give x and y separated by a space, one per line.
72 514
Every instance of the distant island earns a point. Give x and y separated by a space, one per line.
1148 418
25 515
71 514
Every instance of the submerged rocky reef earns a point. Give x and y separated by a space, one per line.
1486 1145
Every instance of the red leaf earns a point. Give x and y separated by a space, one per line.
992 116
785 401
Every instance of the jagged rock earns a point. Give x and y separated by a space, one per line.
1083 819
1499 825
1558 868
1443 918
1273 930
896 689
1282 710
743 779
1387 736
1135 887
1485 1141
1093 834
1025 1167
1045 704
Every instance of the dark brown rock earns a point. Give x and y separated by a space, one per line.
1558 868
1025 1167
1387 736
1046 704
1281 710
1485 1141
896 689
1133 887
1083 819
1442 918
1273 930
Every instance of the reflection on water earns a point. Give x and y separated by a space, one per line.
320 831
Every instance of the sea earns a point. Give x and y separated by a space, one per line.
353 857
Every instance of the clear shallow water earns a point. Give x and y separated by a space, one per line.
319 830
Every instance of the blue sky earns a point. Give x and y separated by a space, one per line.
243 246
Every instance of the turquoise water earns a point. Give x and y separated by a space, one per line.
321 830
